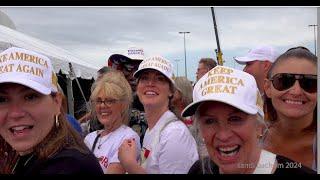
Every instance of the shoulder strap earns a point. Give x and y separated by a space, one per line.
156 138
95 142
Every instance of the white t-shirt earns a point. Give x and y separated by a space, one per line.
176 151
107 146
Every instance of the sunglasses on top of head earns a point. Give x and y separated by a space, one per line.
284 81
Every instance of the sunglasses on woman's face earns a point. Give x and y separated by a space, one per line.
284 81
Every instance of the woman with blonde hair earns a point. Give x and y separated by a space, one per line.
230 116
35 135
111 100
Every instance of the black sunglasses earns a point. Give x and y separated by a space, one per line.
284 81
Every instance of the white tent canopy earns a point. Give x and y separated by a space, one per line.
60 57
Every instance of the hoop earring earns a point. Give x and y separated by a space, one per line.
56 118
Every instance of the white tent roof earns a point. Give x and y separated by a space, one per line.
60 57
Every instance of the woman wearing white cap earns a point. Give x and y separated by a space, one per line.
228 110
35 136
168 146
291 90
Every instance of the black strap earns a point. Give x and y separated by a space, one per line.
95 142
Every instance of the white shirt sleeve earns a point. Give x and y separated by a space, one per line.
114 155
177 150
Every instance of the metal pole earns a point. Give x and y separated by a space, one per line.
218 51
314 35
185 52
177 60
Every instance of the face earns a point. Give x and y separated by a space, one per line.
177 98
108 110
128 72
202 70
230 135
255 68
153 89
294 102
26 116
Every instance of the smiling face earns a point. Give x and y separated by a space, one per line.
26 116
293 103
153 89
230 136
108 110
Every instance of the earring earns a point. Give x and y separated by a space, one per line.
259 136
56 118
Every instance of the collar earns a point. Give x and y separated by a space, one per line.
266 163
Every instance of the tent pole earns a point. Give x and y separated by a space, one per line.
70 96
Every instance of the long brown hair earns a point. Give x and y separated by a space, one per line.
61 136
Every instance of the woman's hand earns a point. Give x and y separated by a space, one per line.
127 153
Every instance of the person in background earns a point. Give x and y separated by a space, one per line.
204 65
73 121
128 63
229 114
168 146
88 121
291 90
257 62
35 136
111 100
182 97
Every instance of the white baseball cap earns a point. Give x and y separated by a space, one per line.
157 63
28 68
131 54
260 53
227 85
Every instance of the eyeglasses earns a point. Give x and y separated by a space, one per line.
284 81
108 102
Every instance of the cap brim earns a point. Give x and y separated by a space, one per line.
191 108
243 60
138 73
28 83
118 58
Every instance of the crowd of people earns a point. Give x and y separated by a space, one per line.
144 120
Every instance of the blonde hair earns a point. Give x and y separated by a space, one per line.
114 84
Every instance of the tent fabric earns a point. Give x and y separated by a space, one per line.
60 57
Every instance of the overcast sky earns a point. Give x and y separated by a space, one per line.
94 33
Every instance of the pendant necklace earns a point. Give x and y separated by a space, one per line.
102 142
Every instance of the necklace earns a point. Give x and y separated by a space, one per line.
102 142
24 164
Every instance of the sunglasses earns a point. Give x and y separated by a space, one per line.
284 81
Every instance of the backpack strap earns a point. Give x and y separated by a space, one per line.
156 139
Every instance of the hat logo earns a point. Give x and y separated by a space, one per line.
219 81
156 62
25 68
135 51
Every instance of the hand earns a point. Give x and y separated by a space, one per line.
127 153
